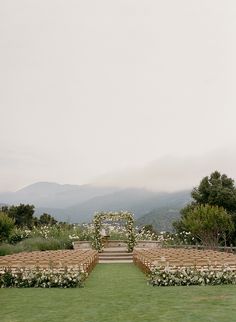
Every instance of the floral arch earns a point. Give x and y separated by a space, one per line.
99 217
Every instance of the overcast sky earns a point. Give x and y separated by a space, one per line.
95 87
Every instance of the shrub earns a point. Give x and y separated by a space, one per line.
209 224
189 276
36 243
146 234
39 243
47 278
58 231
6 225
6 249
18 234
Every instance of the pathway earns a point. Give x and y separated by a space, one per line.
116 275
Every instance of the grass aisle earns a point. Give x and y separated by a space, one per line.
115 293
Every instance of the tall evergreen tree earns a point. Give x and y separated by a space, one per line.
216 190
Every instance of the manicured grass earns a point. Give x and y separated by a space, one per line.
119 292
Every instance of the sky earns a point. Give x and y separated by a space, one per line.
116 92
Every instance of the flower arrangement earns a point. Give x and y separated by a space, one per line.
190 276
23 278
144 234
113 216
180 238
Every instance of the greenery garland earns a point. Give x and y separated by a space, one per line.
113 216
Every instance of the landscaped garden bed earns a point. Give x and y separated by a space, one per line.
191 276
47 278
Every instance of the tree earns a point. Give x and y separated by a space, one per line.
46 219
181 229
150 228
22 214
209 224
216 190
6 226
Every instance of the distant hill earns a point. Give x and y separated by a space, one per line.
54 195
167 211
74 203
138 201
160 219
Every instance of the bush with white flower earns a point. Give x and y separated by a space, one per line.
19 234
22 278
181 238
191 276
145 234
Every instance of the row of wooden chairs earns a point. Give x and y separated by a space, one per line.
83 260
147 259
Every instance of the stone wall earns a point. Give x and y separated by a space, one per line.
148 244
118 243
82 244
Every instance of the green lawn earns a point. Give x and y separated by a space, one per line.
115 293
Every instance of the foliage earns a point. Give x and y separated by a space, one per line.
146 233
46 219
35 243
75 232
190 276
216 190
18 234
6 226
58 236
81 232
181 238
47 278
113 216
22 214
40 243
7 249
209 224
149 228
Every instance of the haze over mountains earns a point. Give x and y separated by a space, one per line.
77 203
174 173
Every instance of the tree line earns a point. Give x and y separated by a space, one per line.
21 216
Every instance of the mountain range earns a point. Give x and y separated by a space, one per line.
78 203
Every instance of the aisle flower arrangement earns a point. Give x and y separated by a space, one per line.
22 278
190 276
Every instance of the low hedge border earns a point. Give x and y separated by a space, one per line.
190 276
23 278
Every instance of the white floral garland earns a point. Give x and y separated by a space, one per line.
113 216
